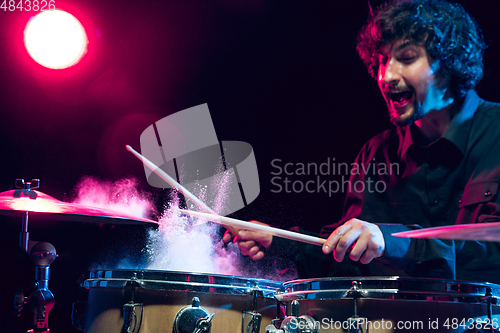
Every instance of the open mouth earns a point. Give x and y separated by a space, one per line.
401 98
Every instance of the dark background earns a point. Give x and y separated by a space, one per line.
281 75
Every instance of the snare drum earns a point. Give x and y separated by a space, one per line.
388 304
148 301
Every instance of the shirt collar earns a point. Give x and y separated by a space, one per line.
458 131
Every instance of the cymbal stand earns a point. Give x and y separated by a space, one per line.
41 300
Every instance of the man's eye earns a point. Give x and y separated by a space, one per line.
407 59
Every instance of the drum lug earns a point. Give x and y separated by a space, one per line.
272 328
78 310
356 290
78 315
193 319
356 324
251 322
130 316
293 324
275 324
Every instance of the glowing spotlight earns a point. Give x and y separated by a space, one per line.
55 39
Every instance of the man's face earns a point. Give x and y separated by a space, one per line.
407 80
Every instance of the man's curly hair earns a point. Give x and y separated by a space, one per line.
450 36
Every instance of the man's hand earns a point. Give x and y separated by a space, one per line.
365 238
250 243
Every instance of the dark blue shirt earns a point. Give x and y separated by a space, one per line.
453 180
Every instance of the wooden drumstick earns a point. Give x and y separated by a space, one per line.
163 175
257 227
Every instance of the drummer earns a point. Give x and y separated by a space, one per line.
426 56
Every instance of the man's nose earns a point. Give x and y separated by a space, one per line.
390 74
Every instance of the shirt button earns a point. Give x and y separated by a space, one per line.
436 201
487 194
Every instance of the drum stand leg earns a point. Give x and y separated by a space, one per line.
41 300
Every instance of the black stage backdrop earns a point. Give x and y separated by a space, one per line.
283 76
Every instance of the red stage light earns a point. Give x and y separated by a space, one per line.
55 39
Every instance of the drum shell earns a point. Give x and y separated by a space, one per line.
417 305
104 308
419 315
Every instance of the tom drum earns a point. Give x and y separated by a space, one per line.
150 301
388 304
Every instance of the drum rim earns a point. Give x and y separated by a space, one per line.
389 278
176 280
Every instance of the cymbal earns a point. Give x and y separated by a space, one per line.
476 231
41 205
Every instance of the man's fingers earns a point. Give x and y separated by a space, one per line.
250 243
362 245
343 244
372 251
246 245
258 256
227 236
364 241
333 239
367 257
264 239
359 249
369 254
251 249
366 249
